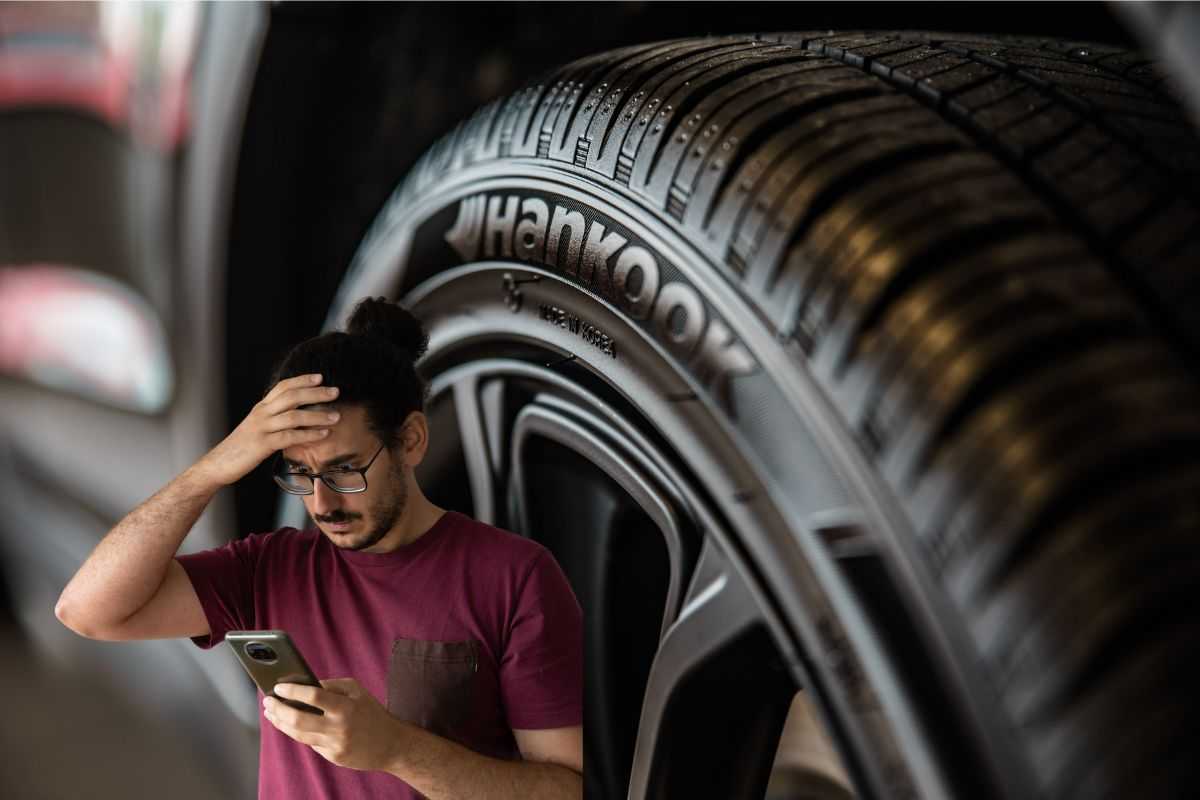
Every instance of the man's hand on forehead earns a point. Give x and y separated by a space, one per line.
296 411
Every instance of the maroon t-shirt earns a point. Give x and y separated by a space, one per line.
470 632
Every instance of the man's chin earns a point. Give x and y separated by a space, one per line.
349 538
344 541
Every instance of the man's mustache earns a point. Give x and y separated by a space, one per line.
336 517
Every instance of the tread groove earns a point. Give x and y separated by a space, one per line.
1188 344
689 103
749 146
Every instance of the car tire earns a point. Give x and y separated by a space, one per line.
892 337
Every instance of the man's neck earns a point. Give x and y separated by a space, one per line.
415 522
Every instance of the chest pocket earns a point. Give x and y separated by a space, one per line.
435 685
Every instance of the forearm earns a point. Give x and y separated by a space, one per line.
129 564
444 770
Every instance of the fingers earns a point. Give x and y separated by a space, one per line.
281 440
297 382
301 419
302 726
281 713
300 396
312 695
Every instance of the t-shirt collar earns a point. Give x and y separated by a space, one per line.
404 553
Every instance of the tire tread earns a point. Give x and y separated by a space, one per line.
865 192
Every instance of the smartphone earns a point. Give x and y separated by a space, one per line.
270 658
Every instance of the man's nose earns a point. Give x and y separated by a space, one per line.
324 499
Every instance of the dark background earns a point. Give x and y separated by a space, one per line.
348 96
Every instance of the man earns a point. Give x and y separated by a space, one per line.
471 635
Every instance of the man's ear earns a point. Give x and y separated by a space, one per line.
415 438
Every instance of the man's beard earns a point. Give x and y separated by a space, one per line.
383 515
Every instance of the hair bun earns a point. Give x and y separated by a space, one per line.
376 316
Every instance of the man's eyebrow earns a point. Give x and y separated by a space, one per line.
342 459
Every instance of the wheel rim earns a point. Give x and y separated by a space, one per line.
538 450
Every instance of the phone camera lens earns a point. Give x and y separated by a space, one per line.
260 652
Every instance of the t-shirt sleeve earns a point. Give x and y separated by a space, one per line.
224 581
541 672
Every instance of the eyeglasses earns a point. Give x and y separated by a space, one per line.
346 480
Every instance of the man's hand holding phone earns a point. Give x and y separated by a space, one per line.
355 731
338 718
276 422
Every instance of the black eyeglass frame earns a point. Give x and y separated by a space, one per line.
279 474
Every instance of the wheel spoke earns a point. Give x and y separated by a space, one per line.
583 489
477 418
609 452
713 672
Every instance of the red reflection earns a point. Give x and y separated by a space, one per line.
78 331
126 63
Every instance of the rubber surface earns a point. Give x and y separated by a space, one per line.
986 252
